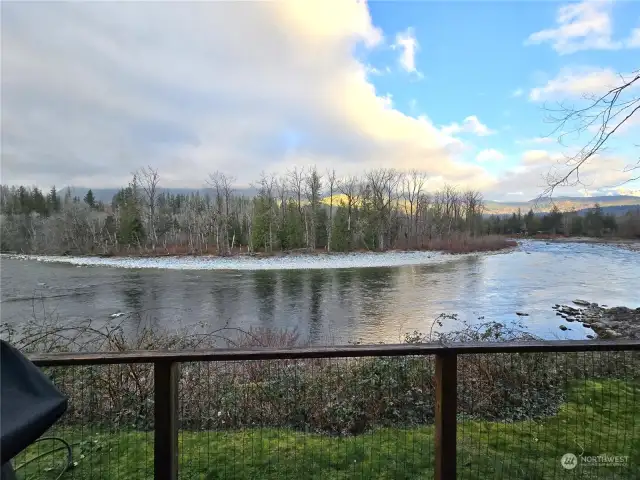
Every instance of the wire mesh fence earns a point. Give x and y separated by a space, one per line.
318 418
520 415
549 415
109 419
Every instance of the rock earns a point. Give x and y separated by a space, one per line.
611 333
594 305
582 303
569 319
563 328
586 325
522 314
590 337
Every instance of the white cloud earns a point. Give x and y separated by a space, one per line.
517 92
489 155
536 166
634 39
577 82
408 45
471 124
91 90
538 157
371 70
580 26
627 191
515 193
537 141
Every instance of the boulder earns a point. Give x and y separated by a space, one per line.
563 328
582 303
522 314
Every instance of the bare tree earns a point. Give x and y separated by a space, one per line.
602 117
313 184
382 188
223 191
331 180
149 180
473 204
412 185
349 187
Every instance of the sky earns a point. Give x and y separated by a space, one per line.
461 90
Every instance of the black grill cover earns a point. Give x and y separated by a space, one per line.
29 402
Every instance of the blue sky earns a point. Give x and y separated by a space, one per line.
94 90
472 59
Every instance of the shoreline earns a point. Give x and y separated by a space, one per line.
607 322
625 243
507 245
298 261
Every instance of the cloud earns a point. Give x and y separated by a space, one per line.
489 155
580 26
577 82
537 140
530 176
408 45
627 191
471 124
538 157
92 90
634 39
517 92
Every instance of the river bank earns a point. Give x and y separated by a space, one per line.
607 323
626 243
457 244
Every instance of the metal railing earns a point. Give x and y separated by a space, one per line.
446 381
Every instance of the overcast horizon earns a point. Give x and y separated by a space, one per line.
94 90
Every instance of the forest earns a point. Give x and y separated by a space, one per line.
303 210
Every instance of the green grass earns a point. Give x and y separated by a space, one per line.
600 417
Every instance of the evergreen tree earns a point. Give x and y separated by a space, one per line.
89 199
53 200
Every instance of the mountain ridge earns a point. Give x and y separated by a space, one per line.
493 207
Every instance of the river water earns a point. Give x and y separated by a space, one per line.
328 300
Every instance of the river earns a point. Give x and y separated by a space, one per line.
329 300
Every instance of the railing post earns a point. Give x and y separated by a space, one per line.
166 420
446 406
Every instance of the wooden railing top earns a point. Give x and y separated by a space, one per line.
382 350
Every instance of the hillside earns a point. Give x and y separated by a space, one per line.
492 207
564 204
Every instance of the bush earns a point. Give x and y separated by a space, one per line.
335 396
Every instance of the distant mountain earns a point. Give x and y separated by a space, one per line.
617 204
106 194
564 204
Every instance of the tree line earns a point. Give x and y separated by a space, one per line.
593 223
302 209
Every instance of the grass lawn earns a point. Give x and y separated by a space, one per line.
600 417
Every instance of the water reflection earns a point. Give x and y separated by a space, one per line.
372 304
317 284
264 287
133 287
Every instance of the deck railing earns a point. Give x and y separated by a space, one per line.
447 372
